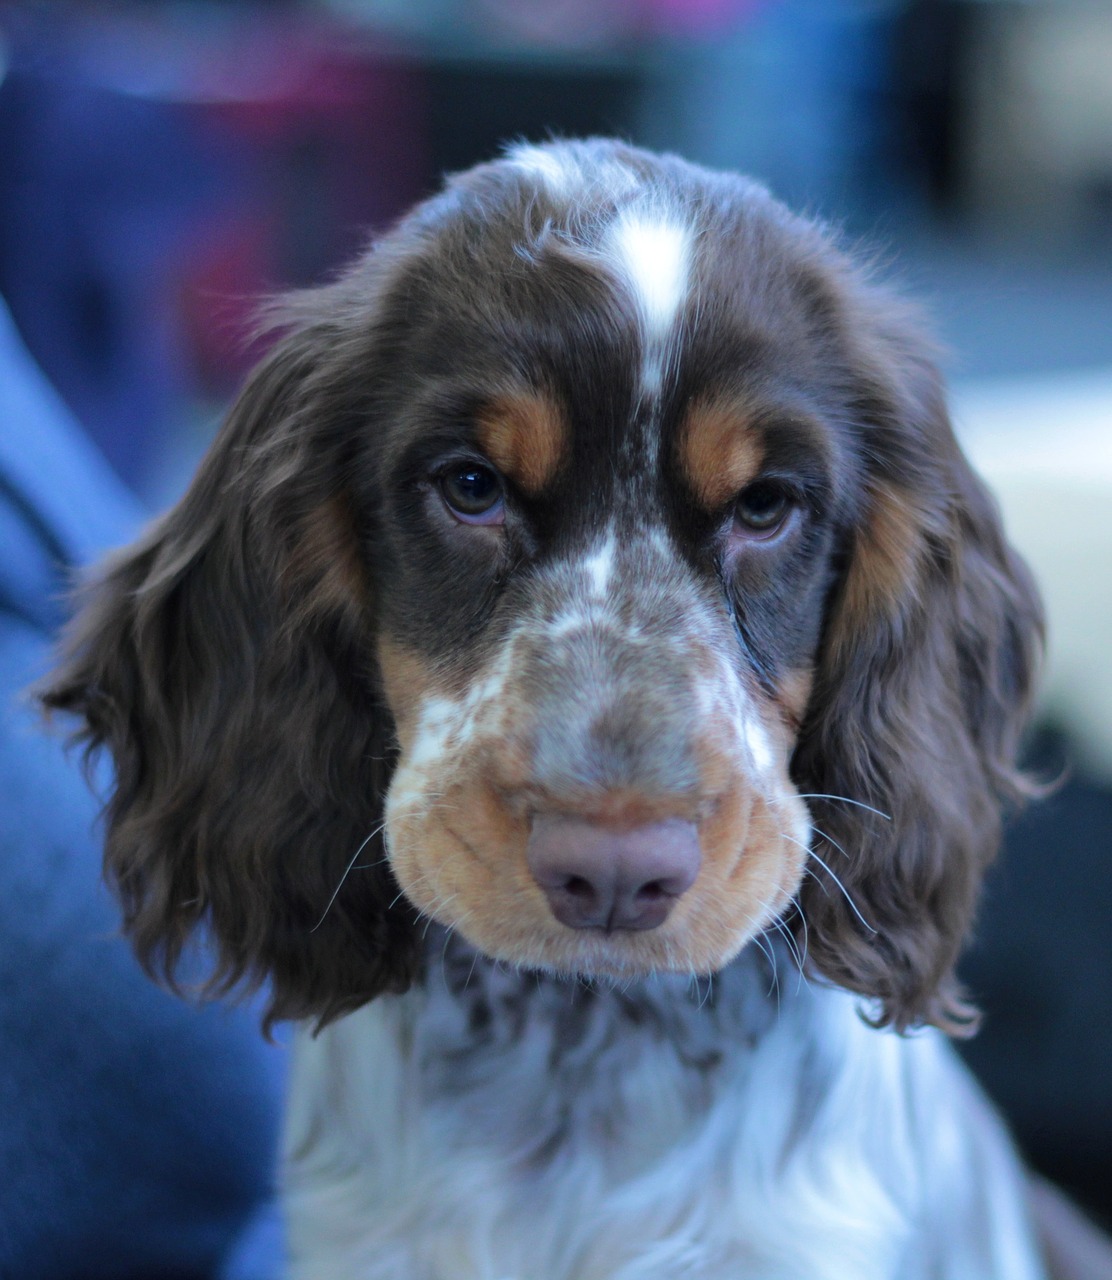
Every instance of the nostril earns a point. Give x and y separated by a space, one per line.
579 888
597 877
653 892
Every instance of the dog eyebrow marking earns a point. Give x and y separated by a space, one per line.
720 452
654 257
526 438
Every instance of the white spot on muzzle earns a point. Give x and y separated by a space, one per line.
440 717
756 740
722 696
444 733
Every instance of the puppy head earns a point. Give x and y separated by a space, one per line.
591 569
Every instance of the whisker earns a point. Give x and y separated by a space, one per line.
845 891
860 804
703 986
444 958
789 941
422 878
830 841
769 953
759 940
430 916
811 853
793 947
708 991
347 872
806 935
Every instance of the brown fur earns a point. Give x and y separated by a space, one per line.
719 453
525 437
920 695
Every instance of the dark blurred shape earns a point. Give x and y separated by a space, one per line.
1004 114
98 191
1040 969
475 109
795 92
137 1134
163 170
930 42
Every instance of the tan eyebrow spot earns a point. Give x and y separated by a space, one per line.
526 438
720 452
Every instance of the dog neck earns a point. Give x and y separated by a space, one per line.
606 1062
494 1123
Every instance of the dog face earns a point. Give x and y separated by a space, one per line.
591 569
608 554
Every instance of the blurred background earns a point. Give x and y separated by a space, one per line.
162 164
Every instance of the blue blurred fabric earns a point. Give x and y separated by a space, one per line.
138 1134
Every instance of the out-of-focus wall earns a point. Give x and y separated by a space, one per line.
1038 112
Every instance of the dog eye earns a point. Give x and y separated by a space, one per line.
762 508
473 493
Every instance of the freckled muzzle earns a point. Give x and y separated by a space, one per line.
609 797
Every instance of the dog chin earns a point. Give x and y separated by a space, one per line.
619 956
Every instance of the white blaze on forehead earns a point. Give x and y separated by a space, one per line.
654 254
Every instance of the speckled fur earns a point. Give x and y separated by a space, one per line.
504 1126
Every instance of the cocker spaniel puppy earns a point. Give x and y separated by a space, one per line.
582 682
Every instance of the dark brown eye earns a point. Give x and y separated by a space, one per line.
473 493
762 508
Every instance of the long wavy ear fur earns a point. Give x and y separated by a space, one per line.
226 662
921 694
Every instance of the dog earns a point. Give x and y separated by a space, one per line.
582 684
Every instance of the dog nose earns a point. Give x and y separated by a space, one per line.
598 877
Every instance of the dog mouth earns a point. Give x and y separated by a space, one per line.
576 896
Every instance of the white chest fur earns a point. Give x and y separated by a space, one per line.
497 1127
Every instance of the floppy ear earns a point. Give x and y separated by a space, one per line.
921 694
226 661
